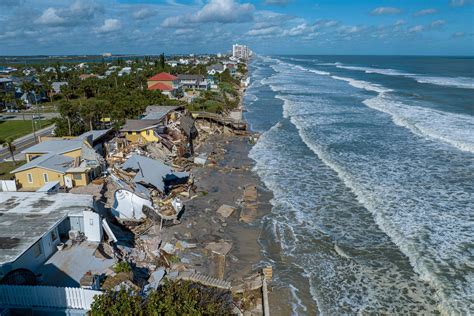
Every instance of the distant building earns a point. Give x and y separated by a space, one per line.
189 81
240 51
57 86
166 83
215 69
107 55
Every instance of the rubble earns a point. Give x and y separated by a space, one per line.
249 210
225 210
217 252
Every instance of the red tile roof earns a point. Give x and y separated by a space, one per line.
163 77
160 86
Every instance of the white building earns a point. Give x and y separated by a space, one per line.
33 224
241 51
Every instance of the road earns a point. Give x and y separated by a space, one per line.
19 116
24 142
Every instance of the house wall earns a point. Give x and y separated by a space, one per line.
92 226
38 178
72 154
169 83
146 135
29 259
84 178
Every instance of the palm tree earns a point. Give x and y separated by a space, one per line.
11 147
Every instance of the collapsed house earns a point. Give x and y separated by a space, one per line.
147 178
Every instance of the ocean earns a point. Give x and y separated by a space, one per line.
371 163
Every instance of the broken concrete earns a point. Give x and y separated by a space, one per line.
225 210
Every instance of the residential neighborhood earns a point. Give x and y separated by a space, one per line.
105 201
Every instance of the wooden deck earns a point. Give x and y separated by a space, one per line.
219 119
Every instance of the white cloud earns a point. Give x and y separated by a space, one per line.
50 17
385 10
110 25
79 12
144 13
416 29
400 22
438 23
301 29
425 12
273 30
221 11
460 3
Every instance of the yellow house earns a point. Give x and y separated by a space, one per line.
48 168
69 146
141 131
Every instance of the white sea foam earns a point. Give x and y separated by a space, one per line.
402 204
451 128
336 285
456 82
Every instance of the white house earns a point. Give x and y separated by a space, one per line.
33 224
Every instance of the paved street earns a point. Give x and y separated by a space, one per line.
24 142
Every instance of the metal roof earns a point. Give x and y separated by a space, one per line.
55 146
139 125
58 163
26 216
158 112
151 171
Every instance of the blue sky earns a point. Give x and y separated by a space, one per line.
394 27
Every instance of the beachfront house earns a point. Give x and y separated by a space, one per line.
141 131
195 82
72 162
47 243
166 83
215 69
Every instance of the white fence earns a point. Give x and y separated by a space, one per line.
46 296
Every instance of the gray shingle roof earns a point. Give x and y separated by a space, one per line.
53 162
139 125
158 112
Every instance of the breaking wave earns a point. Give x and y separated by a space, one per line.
455 82
454 129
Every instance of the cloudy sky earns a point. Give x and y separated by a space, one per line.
428 27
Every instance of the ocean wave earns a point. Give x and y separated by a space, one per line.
455 82
338 285
453 129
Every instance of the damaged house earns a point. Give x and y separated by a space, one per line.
149 177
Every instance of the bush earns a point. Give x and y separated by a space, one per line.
172 298
122 266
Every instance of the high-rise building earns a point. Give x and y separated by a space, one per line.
241 51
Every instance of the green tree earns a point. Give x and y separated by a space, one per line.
162 61
11 147
172 298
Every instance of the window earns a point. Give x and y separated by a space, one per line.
77 176
45 177
30 177
36 249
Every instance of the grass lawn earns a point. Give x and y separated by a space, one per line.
6 167
18 128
